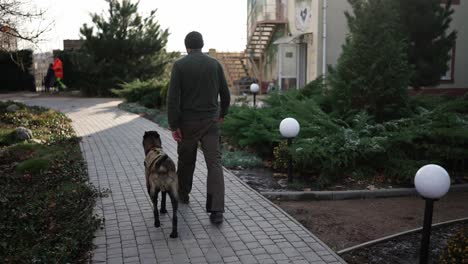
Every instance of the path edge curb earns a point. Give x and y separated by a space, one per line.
352 194
383 239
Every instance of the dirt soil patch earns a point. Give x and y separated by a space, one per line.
405 249
345 223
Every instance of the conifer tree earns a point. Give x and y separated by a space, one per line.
372 73
426 24
124 46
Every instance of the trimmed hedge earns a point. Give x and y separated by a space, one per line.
15 69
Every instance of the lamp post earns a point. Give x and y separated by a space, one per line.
254 88
431 182
289 128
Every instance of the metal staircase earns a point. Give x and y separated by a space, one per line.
235 67
263 19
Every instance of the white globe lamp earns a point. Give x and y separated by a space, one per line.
289 127
431 182
254 88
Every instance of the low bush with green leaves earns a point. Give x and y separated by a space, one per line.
240 159
333 148
150 93
46 201
152 114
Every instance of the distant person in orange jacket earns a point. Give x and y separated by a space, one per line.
58 70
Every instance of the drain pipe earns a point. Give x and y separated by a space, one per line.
324 40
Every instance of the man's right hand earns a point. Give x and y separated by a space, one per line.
177 135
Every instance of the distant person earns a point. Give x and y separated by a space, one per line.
49 79
58 69
194 116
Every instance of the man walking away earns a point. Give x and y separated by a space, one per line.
194 116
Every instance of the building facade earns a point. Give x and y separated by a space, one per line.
304 36
8 40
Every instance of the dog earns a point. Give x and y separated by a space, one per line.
160 174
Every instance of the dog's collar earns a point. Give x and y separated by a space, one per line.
154 156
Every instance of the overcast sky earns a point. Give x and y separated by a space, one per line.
222 22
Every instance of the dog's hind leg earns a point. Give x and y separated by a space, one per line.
155 211
163 203
174 203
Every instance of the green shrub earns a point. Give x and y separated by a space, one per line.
7 136
456 251
372 72
16 71
46 124
33 166
46 202
153 114
255 129
236 159
281 156
331 148
150 93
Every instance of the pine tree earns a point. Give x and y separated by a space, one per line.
372 73
426 24
125 46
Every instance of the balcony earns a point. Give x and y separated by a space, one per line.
263 17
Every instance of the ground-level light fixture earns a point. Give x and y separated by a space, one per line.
289 128
254 88
431 182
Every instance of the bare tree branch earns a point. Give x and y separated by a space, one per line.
22 20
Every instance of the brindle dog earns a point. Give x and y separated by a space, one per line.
160 173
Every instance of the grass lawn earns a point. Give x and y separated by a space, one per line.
45 198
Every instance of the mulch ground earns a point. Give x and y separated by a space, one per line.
345 223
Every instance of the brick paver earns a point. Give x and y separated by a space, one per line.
254 231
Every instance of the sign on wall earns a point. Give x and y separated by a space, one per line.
303 13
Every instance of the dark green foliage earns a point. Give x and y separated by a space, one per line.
255 129
150 93
240 159
426 24
316 89
33 166
79 72
46 124
7 136
124 46
372 73
46 201
152 114
330 148
15 71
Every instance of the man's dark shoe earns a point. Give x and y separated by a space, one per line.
184 198
216 217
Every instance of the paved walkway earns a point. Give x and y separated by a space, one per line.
254 231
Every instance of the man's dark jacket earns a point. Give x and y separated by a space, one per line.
196 81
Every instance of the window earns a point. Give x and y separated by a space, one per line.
449 75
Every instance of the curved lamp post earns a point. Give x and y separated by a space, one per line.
254 88
289 128
431 182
